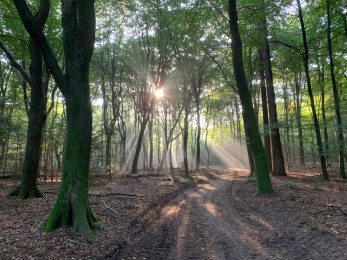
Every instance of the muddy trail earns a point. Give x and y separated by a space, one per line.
212 221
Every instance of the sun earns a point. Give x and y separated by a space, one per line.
159 93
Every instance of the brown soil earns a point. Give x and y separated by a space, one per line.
215 216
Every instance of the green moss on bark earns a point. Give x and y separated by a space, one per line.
23 193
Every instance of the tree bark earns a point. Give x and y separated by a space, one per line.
298 121
336 97
186 103
150 133
278 168
37 115
267 140
310 93
78 21
262 171
138 145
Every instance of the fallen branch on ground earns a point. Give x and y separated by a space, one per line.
326 210
108 207
117 194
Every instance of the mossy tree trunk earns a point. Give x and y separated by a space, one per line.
37 115
78 21
263 180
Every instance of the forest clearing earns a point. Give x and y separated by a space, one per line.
151 217
166 129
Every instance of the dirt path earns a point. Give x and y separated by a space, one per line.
210 222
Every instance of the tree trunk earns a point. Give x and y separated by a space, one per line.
37 116
310 93
185 141
250 155
108 154
298 121
138 145
325 127
267 140
278 168
78 21
262 171
198 137
336 98
150 133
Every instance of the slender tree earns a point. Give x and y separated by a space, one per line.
267 140
336 96
278 167
305 57
260 159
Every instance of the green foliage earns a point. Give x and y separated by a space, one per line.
287 185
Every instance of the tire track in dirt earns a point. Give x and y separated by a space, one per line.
198 224
214 221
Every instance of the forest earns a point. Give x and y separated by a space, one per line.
173 129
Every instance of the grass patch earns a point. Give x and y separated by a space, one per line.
315 185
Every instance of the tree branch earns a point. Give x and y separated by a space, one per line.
15 64
289 46
221 70
37 35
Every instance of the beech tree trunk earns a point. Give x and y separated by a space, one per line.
278 168
336 98
267 141
186 103
37 115
310 93
262 170
150 133
198 137
321 80
185 141
72 206
138 145
298 121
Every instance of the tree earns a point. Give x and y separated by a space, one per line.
197 86
78 21
262 171
336 95
305 57
267 141
37 113
278 168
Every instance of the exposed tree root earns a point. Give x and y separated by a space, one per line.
81 218
23 193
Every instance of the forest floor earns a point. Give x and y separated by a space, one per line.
164 216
